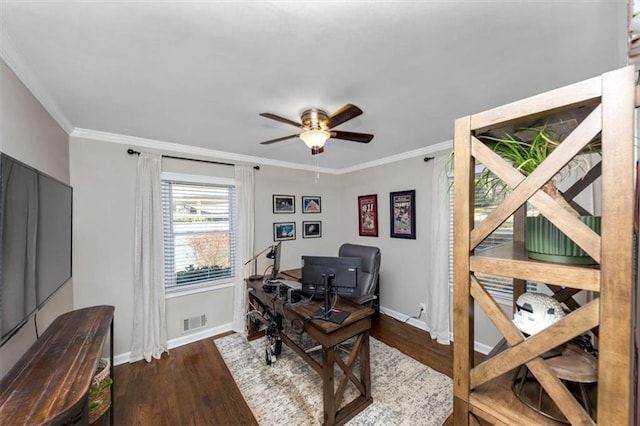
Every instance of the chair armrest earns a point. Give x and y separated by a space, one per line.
365 299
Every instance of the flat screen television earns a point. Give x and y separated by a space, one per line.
35 235
322 275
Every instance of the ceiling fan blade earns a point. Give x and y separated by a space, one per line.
280 119
352 136
345 113
284 138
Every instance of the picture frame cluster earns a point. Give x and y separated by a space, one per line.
402 215
286 204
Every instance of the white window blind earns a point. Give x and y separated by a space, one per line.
200 233
485 202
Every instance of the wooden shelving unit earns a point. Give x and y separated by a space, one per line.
483 391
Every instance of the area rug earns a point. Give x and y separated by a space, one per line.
405 392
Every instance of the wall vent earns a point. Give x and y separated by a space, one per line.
192 323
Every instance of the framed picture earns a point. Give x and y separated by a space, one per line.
284 231
368 215
403 214
311 204
284 204
312 229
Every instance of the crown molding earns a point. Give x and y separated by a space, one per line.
221 155
427 150
17 64
188 149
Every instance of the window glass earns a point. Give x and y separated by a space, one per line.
485 201
199 233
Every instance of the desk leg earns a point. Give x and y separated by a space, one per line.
253 332
365 370
328 361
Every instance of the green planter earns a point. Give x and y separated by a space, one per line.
544 241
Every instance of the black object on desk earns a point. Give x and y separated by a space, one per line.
336 316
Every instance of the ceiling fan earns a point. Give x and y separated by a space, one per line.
318 126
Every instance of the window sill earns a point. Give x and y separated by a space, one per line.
195 289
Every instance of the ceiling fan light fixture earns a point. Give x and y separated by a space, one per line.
315 138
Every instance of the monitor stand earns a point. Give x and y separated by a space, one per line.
336 316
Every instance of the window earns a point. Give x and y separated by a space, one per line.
199 231
485 202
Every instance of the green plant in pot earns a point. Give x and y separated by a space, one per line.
526 149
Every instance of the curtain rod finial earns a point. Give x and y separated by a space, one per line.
131 152
426 159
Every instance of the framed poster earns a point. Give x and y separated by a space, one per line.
283 231
284 204
312 229
368 215
403 214
311 204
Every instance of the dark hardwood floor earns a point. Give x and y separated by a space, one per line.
192 385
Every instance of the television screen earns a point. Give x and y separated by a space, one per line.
35 232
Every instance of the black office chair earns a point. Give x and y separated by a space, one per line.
369 276
369 281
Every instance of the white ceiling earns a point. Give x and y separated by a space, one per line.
198 73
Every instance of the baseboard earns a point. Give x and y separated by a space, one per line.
404 318
477 346
180 341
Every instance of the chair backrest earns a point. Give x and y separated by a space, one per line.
370 264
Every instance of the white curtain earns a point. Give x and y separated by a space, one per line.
244 231
149 321
437 314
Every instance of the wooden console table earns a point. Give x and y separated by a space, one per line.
50 384
329 335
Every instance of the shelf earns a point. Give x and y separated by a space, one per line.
510 260
484 391
50 383
496 401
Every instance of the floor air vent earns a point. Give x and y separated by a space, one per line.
192 323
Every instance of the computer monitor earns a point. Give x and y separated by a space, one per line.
275 255
325 276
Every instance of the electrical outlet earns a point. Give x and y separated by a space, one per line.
423 307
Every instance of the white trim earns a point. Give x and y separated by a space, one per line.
402 318
181 341
221 155
176 291
187 149
427 150
212 180
17 64
477 346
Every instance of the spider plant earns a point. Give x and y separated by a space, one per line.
526 149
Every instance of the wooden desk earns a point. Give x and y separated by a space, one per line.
329 335
293 274
50 383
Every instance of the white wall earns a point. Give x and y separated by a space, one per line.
278 181
104 175
404 272
29 134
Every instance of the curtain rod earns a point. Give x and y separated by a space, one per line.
132 152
